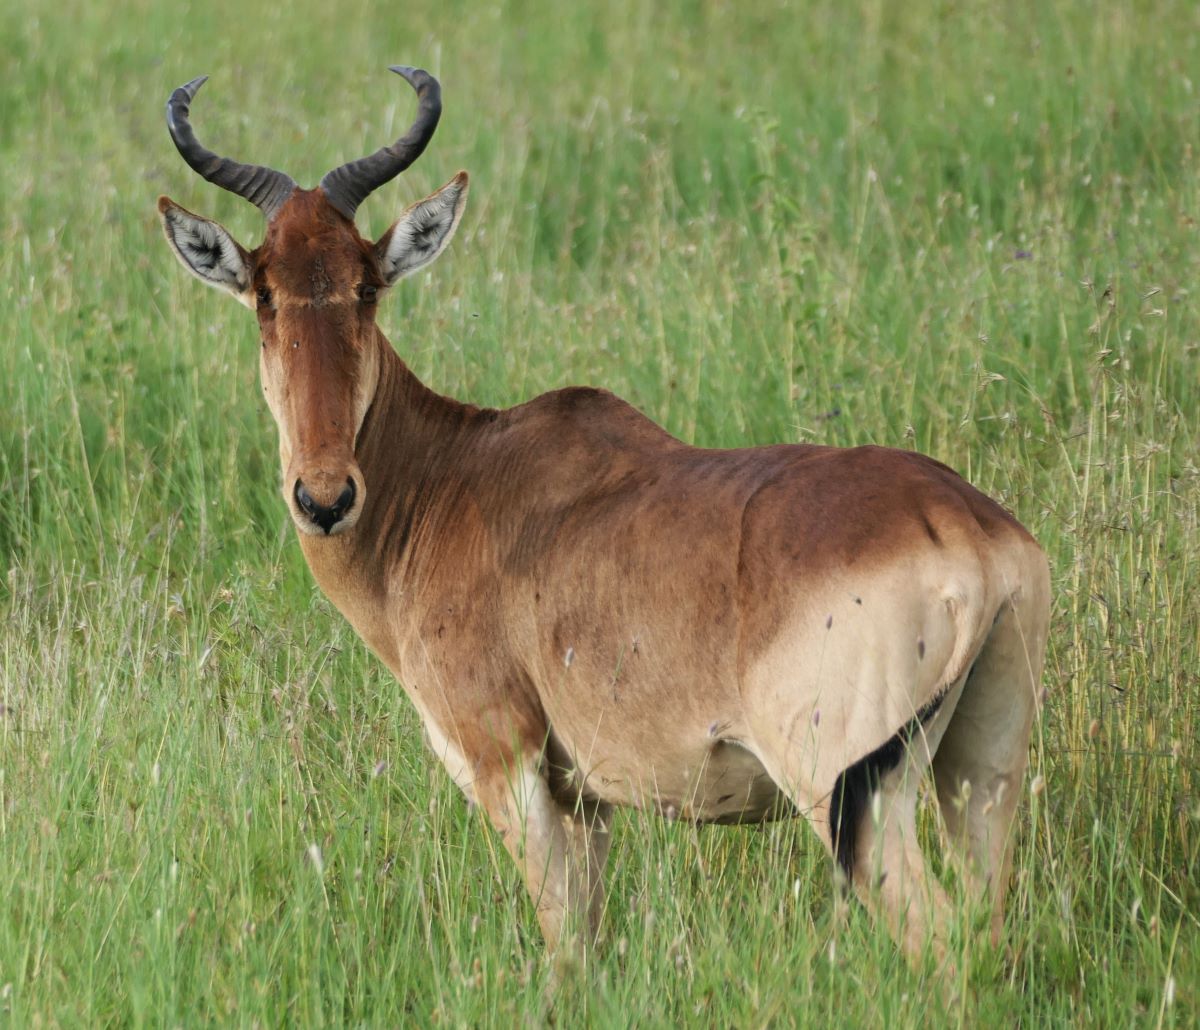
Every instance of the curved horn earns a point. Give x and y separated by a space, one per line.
348 186
266 188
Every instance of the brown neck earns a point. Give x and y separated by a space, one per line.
412 448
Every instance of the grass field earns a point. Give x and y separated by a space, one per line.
967 228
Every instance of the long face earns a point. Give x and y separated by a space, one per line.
314 284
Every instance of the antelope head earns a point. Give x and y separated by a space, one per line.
314 284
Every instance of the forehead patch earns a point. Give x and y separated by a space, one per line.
316 269
321 285
312 255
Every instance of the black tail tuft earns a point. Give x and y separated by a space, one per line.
854 787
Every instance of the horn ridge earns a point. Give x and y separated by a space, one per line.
264 187
348 186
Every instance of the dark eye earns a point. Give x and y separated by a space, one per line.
367 293
264 297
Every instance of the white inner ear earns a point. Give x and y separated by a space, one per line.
423 230
206 250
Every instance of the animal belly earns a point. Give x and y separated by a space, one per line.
717 782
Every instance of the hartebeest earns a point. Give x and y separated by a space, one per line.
587 612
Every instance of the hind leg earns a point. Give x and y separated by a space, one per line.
869 823
980 763
889 871
879 848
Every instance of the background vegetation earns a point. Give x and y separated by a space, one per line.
968 228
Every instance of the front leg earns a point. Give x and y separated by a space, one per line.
560 850
589 830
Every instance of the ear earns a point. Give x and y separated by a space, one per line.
207 250
423 231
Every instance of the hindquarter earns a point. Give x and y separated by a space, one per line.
861 611
853 663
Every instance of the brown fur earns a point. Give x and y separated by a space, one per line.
588 612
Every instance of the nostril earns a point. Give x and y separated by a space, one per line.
323 515
345 499
304 499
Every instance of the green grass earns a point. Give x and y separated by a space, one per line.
966 228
